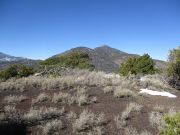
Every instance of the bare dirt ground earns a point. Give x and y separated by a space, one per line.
106 103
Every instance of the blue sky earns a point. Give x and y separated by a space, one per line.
39 29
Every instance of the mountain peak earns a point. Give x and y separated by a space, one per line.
104 46
81 48
109 50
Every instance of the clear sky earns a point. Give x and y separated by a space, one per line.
41 28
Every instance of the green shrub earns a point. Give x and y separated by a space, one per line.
145 65
128 66
173 125
74 60
173 69
17 71
140 65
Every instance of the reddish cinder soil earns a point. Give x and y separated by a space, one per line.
106 103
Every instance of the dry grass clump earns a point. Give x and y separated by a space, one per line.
52 127
121 121
87 121
133 131
51 83
47 83
145 133
80 97
92 78
82 100
61 97
14 99
130 131
12 84
97 131
10 108
42 113
40 98
132 107
121 93
158 108
108 89
156 120
155 82
73 78
11 114
172 112
94 99
71 115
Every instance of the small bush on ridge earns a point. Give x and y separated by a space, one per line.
17 71
140 65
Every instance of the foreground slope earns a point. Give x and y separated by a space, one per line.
83 102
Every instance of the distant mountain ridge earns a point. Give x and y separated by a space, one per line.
106 58
6 60
5 57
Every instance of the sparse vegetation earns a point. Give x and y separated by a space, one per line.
130 131
120 93
80 97
61 97
159 108
132 107
156 120
133 131
37 114
78 90
155 82
74 78
14 99
11 114
53 127
87 121
71 115
40 98
120 121
109 89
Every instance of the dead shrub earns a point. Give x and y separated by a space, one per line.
121 121
41 98
42 113
156 120
132 131
87 121
14 99
108 89
52 127
121 93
